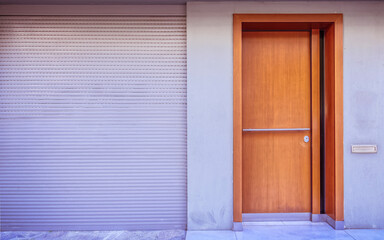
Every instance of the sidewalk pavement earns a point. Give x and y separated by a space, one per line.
288 231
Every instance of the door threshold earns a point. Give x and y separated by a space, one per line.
286 219
267 217
284 223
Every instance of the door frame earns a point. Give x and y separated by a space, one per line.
332 25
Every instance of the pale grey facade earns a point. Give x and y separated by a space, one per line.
209 33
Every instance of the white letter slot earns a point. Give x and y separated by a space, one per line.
364 148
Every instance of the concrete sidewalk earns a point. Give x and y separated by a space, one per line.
94 235
288 231
252 231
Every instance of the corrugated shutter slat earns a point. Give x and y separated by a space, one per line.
93 122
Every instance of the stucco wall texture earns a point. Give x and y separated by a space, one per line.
210 155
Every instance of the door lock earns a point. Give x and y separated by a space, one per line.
306 139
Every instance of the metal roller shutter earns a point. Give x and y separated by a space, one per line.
93 122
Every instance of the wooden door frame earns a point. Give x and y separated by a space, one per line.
332 25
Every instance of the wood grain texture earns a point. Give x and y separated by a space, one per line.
279 26
315 105
289 18
237 121
339 140
276 80
276 94
289 22
276 172
329 121
333 97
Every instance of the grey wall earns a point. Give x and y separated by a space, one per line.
209 33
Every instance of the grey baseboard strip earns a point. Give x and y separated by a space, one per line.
319 217
337 225
265 217
237 226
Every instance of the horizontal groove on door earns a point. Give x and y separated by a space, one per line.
93 122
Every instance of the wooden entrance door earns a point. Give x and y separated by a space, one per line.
276 121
